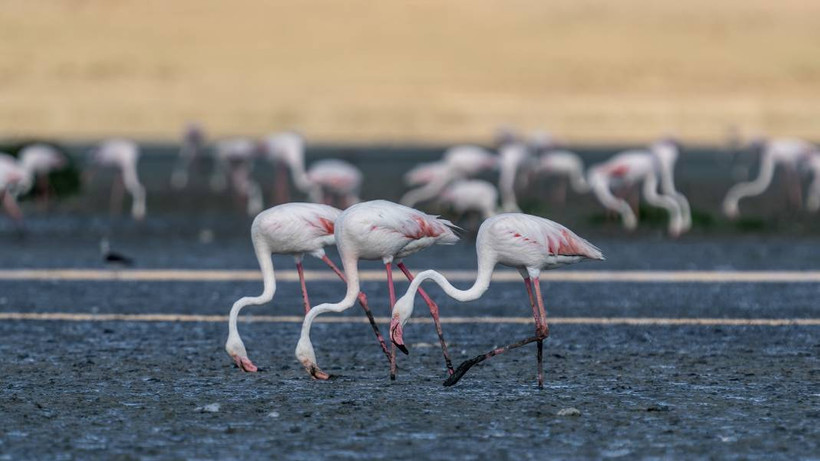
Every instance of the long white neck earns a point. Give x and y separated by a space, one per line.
299 175
506 184
650 192
577 180
263 255
756 187
427 191
486 263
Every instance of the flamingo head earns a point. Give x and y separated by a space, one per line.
307 357
402 311
236 349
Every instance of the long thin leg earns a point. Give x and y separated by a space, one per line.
389 268
433 312
305 299
537 316
363 302
544 329
117 193
467 364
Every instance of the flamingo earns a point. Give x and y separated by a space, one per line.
235 156
294 229
38 160
460 162
471 195
334 178
565 164
378 230
193 143
525 242
666 153
513 157
123 155
287 152
425 173
12 178
789 153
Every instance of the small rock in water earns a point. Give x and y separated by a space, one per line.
569 412
210 408
206 236
273 414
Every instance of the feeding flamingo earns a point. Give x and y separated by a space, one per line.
566 165
525 242
334 179
38 160
628 169
459 162
12 179
123 155
287 152
471 195
513 158
294 229
193 144
791 154
666 152
234 158
378 230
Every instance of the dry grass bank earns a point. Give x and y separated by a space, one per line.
359 70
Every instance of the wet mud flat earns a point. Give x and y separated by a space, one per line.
167 390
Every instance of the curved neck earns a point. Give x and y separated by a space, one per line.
263 256
482 281
427 191
756 187
351 271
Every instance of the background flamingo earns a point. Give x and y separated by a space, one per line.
628 169
666 152
294 229
471 195
566 165
527 243
788 153
334 180
38 160
123 155
287 152
514 157
459 162
234 159
378 230
191 148
12 177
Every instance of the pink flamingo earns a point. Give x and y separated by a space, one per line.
123 155
334 178
514 158
378 230
234 158
287 152
525 242
471 195
630 168
12 179
193 144
294 229
790 154
459 162
38 160
566 165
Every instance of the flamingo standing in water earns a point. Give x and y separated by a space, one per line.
525 242
790 154
193 144
629 168
378 230
38 160
471 195
287 152
513 158
123 155
334 179
459 162
566 165
294 229
12 178
234 157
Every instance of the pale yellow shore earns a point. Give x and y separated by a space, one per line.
425 71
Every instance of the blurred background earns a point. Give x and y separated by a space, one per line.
422 71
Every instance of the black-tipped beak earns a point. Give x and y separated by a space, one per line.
396 335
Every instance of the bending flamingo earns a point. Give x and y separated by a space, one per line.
287 152
788 153
12 179
378 230
38 160
334 179
630 168
525 242
460 162
666 154
123 155
234 158
564 164
471 195
294 229
513 158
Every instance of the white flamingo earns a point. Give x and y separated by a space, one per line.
513 159
788 153
193 144
564 164
471 195
334 178
460 162
38 160
666 153
12 179
123 155
527 243
630 168
234 158
378 230
287 152
295 229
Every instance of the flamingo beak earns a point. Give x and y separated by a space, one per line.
245 364
397 335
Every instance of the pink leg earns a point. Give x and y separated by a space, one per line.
117 191
433 312
389 268
305 299
540 344
363 302
10 204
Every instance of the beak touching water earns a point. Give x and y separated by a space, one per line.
397 334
